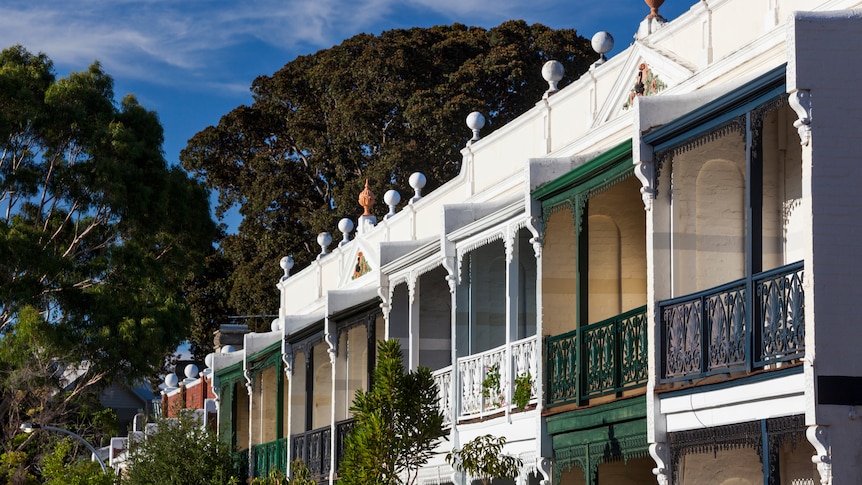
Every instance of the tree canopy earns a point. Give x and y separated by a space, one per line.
98 236
376 107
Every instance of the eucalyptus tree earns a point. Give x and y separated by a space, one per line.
98 236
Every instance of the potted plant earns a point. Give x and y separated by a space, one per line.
523 390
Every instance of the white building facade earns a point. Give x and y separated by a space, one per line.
661 255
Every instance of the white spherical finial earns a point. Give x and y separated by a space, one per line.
345 226
286 264
392 198
602 43
171 380
275 325
228 349
475 121
191 371
553 72
324 240
417 183
208 360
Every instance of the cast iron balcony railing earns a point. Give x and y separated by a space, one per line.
487 379
602 358
711 332
270 456
313 448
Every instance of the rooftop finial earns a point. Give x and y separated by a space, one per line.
345 226
417 183
553 72
286 264
324 239
366 199
366 221
654 5
602 43
392 198
475 121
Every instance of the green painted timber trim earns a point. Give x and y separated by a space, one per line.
230 374
585 172
583 419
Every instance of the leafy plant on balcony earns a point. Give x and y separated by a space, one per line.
300 475
491 389
483 458
523 390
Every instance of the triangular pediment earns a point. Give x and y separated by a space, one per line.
358 259
646 72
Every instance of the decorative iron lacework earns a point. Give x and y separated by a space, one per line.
733 125
361 267
366 320
575 199
610 357
589 456
708 332
737 124
738 436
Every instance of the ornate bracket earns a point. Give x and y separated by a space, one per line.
249 381
646 173
451 275
509 242
411 286
544 465
287 358
800 101
331 339
536 228
818 436
659 454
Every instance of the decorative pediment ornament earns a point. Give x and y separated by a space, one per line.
647 83
362 267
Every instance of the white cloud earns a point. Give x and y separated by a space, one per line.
169 41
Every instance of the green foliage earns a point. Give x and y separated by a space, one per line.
299 475
181 452
523 390
98 238
62 468
13 468
491 385
376 106
483 458
398 423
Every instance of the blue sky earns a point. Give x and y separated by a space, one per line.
194 60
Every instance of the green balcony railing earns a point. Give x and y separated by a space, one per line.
741 326
603 358
270 456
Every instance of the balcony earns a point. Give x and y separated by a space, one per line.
270 456
487 379
611 356
313 448
723 330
